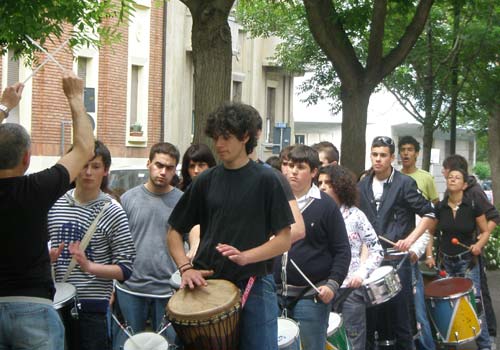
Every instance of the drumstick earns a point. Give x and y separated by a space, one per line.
386 240
307 279
125 331
455 241
45 61
46 52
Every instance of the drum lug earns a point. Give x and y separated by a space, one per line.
456 337
474 331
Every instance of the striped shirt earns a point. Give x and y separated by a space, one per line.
68 221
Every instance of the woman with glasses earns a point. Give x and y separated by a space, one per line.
459 219
338 183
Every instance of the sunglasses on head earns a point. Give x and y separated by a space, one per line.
386 140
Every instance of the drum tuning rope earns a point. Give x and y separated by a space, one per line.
125 331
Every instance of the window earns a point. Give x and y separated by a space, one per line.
13 68
270 113
237 90
300 139
134 91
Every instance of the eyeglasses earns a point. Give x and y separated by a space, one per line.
386 140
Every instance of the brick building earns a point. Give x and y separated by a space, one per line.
144 82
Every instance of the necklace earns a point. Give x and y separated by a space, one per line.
454 206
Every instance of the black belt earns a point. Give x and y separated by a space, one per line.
458 257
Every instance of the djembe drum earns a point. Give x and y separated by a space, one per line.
207 317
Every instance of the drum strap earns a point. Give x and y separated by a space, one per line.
85 240
248 288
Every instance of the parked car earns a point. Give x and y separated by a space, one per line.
123 179
488 190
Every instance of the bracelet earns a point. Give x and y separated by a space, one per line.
186 269
186 264
429 257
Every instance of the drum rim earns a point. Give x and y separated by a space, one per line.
389 268
64 301
205 315
341 323
448 297
296 336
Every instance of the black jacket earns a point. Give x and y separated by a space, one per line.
401 200
476 194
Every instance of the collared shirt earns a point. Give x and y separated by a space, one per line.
314 193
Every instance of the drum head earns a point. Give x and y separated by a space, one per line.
448 287
378 274
288 331
176 279
202 303
334 322
425 270
146 341
65 292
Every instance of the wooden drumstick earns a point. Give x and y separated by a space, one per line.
386 240
303 275
455 241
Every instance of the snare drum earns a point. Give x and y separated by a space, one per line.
288 334
336 334
146 341
452 309
65 302
207 317
176 279
382 285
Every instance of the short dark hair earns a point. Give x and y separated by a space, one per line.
461 171
343 183
100 149
198 152
304 154
165 148
409 140
455 161
384 141
14 143
237 119
285 152
331 152
275 162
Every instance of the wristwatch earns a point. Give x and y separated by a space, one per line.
5 110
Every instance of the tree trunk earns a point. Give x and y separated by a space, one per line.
427 146
494 151
212 58
354 117
457 7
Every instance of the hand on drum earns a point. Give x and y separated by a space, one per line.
56 252
232 254
325 294
355 282
193 278
403 244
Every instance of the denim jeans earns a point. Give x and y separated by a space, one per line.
93 331
258 320
394 313
354 318
136 310
425 341
30 326
463 268
312 317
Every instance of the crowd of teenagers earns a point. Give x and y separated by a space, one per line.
241 220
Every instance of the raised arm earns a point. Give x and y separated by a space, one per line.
83 138
10 99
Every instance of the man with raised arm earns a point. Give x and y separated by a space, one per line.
27 317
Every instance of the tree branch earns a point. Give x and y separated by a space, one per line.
375 47
410 36
328 32
405 100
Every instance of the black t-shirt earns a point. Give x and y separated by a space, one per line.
24 204
462 226
240 207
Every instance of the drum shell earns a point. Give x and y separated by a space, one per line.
336 336
214 327
288 334
66 304
381 289
455 312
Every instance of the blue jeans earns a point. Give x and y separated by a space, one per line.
26 326
258 322
354 318
135 311
312 317
425 341
463 268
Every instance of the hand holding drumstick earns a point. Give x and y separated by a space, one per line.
475 250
